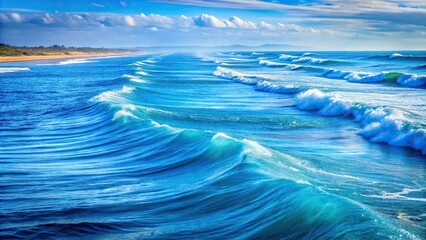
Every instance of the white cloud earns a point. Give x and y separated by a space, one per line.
97 5
154 20
239 23
412 12
205 20
129 21
266 26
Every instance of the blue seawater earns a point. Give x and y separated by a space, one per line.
232 145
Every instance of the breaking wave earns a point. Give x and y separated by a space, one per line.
409 80
13 69
305 59
404 79
380 124
403 56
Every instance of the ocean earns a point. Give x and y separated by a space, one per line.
229 145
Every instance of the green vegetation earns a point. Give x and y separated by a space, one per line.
8 50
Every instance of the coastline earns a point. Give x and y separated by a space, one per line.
5 59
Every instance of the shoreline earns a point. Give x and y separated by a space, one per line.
7 59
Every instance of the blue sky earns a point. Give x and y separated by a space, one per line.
318 24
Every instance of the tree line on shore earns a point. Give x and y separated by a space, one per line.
9 50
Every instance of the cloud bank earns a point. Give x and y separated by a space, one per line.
321 24
78 20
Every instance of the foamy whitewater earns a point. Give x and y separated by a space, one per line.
230 145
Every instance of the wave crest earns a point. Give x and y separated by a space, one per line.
304 59
379 124
12 69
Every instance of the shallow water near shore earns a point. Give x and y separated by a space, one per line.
244 145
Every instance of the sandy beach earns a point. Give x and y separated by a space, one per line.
60 56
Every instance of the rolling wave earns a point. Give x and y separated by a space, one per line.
260 83
398 56
306 59
420 67
134 162
379 124
409 80
402 56
404 79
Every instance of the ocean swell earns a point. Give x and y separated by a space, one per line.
305 59
380 124
409 80
260 83
404 79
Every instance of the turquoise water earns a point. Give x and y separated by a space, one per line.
244 145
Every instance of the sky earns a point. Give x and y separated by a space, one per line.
310 24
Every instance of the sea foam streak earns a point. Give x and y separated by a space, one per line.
379 124
12 69
133 78
304 59
266 86
113 96
75 61
69 61
260 83
235 76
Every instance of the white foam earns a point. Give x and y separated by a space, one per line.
288 57
379 124
399 195
259 85
396 55
234 75
310 60
133 78
364 77
138 63
223 135
13 69
123 113
256 148
276 64
237 59
302 59
142 73
301 181
127 89
271 63
75 61
412 80
168 127
351 76
113 96
149 60
266 86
